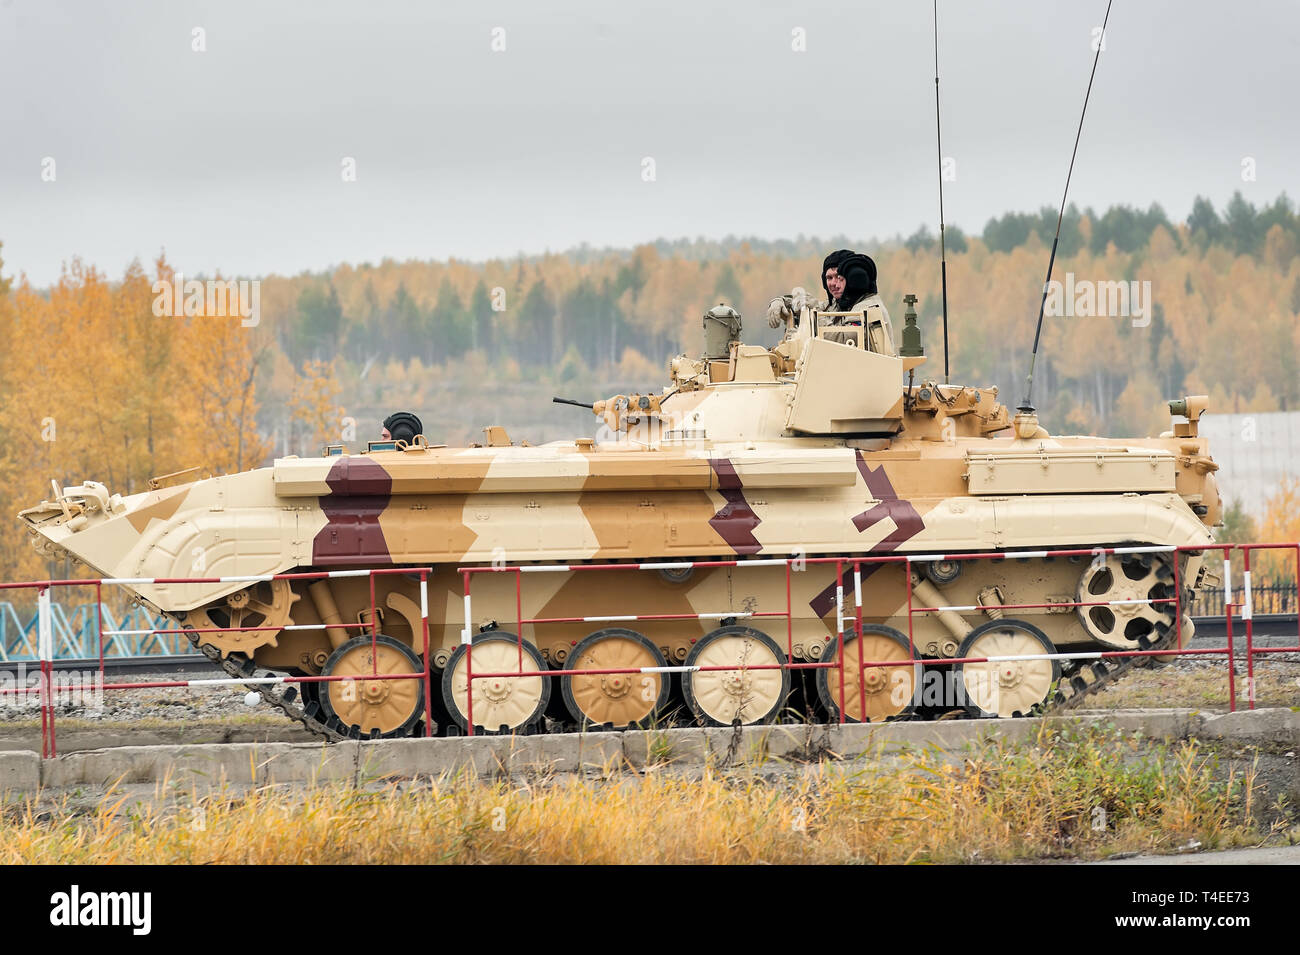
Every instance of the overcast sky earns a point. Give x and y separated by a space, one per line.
232 158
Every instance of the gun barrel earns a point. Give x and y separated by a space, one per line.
570 401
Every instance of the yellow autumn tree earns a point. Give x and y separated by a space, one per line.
98 387
315 405
1280 525
218 364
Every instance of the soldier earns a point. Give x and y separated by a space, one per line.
786 308
856 280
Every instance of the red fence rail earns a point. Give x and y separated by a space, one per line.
853 563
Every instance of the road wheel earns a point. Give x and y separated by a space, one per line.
502 704
878 693
619 700
1006 687
372 708
720 697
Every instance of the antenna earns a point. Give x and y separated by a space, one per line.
943 253
1027 405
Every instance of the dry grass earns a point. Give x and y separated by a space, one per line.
1003 803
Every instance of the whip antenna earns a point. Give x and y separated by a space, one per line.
1027 405
943 254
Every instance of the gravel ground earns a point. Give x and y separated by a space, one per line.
154 704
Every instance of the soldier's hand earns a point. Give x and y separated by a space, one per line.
798 298
778 312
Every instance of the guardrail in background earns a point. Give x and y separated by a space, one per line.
74 633
1269 596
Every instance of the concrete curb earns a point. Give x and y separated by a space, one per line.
212 765
1254 726
20 772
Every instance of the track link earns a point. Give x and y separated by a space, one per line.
290 703
1091 677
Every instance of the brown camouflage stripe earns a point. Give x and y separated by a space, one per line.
735 521
907 524
167 504
359 494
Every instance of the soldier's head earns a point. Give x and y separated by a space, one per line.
857 277
832 281
402 426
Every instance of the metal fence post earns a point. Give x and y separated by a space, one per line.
45 651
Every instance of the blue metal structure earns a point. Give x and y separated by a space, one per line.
76 634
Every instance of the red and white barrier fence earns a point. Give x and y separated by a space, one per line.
842 614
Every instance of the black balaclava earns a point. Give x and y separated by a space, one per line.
859 274
833 261
403 426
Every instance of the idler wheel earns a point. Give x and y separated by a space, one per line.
1127 577
878 693
501 703
620 700
1006 687
720 697
383 708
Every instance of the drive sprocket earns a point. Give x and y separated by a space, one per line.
266 605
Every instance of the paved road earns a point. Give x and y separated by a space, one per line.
1274 855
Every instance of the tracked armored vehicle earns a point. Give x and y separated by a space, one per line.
818 447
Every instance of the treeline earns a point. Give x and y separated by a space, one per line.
1224 286
538 330
1242 228
534 311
